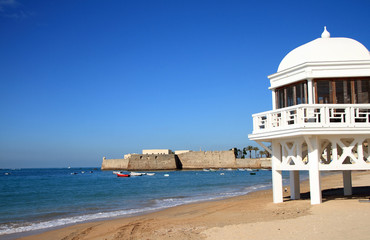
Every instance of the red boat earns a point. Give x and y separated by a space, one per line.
123 175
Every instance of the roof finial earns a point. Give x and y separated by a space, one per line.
325 33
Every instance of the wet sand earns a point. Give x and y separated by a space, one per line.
252 216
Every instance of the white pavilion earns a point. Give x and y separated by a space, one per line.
320 119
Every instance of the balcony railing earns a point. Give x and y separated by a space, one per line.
313 115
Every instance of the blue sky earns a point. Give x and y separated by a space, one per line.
85 79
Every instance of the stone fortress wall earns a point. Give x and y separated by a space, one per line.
209 159
183 160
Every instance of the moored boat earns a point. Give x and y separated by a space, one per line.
136 174
123 175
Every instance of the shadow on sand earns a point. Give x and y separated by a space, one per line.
360 193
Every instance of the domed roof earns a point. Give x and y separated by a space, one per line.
325 49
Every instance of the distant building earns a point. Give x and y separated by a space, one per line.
181 151
157 151
321 114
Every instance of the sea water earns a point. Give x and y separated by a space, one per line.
38 199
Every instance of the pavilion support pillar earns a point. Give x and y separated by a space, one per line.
295 192
310 91
347 182
277 177
313 158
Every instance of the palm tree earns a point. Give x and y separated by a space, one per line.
244 152
235 151
250 149
262 153
239 153
255 151
267 154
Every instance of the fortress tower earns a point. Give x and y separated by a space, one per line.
320 119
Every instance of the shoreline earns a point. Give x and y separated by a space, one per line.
189 221
117 214
20 235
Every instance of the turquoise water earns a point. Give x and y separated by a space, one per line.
38 199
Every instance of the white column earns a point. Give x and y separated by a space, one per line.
277 178
310 91
273 100
315 184
347 183
295 191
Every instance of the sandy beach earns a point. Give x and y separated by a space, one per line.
252 216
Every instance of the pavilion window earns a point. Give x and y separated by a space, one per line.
323 91
280 98
342 91
291 95
301 94
362 88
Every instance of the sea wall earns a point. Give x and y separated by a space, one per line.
142 162
253 163
152 162
185 160
113 164
210 159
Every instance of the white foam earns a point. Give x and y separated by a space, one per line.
15 228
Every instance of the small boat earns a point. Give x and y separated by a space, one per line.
74 173
166 175
135 174
206 170
213 170
150 174
117 172
252 173
249 170
228 169
241 169
222 173
123 175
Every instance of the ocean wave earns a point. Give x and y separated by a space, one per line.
10 228
156 204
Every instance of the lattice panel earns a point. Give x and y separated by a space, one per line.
294 154
340 153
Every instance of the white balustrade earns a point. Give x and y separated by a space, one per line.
313 115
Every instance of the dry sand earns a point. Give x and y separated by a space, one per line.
252 216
